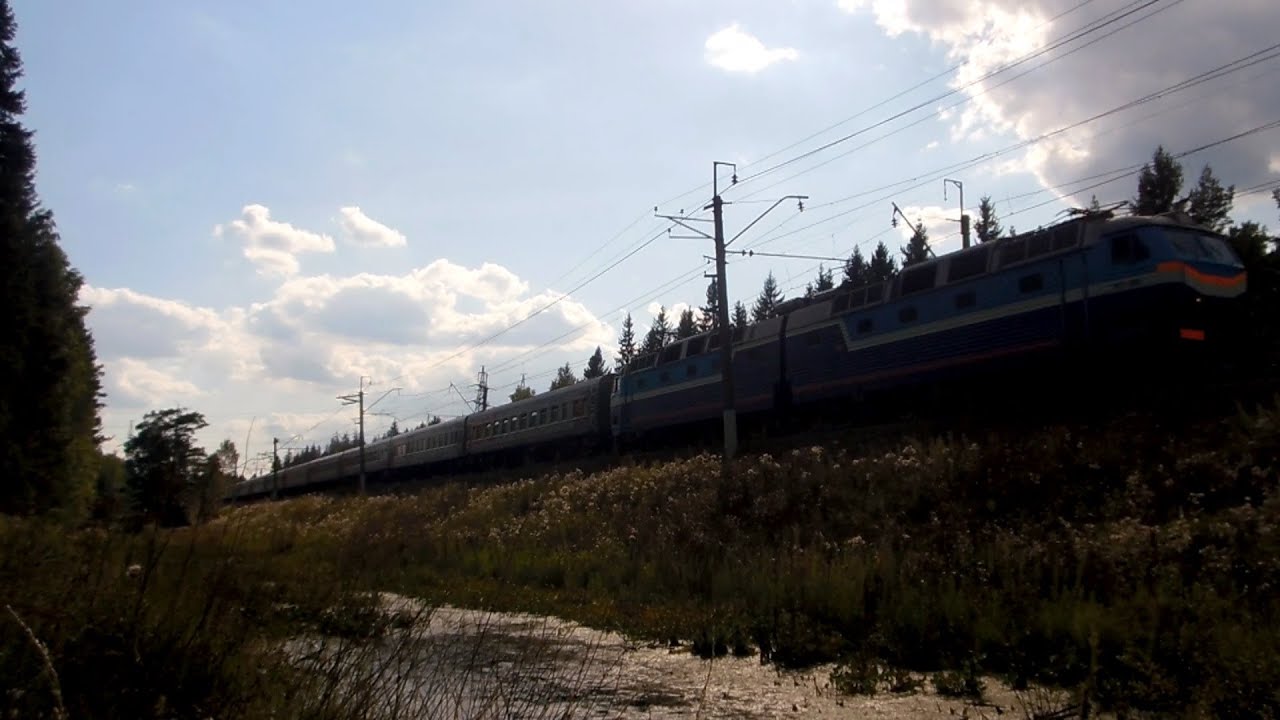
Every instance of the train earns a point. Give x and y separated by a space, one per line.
1060 303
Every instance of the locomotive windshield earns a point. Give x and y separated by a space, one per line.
1194 245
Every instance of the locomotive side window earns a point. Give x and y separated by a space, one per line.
670 354
1031 283
968 264
1128 249
524 420
579 408
1012 252
919 279
555 413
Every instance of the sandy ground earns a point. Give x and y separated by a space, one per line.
463 663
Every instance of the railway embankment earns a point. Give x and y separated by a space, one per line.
1133 562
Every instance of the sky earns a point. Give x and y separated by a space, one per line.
270 201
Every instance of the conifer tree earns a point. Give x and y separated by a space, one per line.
767 300
595 365
917 248
687 327
710 312
882 266
626 344
162 464
564 377
1094 205
50 387
987 227
659 333
1158 184
856 272
822 283
740 318
1210 203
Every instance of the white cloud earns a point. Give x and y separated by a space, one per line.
364 230
141 382
734 50
272 245
1175 42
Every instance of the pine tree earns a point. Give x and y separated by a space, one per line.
710 312
564 378
595 366
435 419
50 387
917 248
767 300
394 430
626 344
162 462
987 228
1158 184
1210 203
687 327
882 266
1094 205
658 335
856 272
740 318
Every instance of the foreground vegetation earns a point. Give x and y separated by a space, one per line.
1135 563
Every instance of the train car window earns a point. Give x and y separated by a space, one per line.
865 325
1128 249
840 304
564 410
919 279
643 362
542 416
555 413
966 299
908 314
968 264
875 293
579 408
505 422
690 370
696 346
670 353
1039 244
524 421
1031 283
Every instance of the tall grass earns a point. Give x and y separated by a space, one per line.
1134 562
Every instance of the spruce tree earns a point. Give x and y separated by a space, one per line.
50 387
659 333
856 272
687 327
1158 185
987 227
595 365
1210 203
740 318
882 266
626 344
710 312
767 300
917 248
822 283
